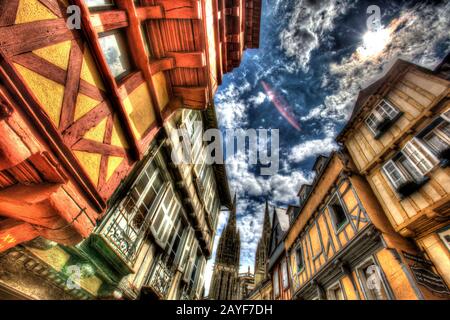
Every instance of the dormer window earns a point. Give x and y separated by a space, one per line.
382 117
407 170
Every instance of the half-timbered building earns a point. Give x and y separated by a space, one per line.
89 94
399 139
341 245
277 261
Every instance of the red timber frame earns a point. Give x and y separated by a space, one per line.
44 191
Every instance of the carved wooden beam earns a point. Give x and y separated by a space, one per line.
13 232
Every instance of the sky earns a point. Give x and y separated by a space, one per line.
314 58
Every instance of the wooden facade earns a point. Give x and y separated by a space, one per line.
72 128
341 242
406 161
83 110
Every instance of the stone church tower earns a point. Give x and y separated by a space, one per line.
262 249
224 284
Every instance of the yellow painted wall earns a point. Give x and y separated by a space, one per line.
159 81
139 107
395 274
32 10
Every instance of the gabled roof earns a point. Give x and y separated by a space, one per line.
398 68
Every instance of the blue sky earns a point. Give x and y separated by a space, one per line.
314 56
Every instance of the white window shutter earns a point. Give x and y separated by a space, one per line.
186 249
190 262
200 277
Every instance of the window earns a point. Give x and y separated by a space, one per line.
284 274
99 4
381 117
407 170
115 49
437 139
445 236
299 258
173 245
335 292
371 281
165 218
337 212
128 224
276 284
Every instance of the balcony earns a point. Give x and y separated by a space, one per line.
160 280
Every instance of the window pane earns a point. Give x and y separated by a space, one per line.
394 174
115 49
145 38
99 3
372 282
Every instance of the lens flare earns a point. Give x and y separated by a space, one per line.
374 43
283 108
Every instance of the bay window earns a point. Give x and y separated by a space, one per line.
129 222
382 117
437 139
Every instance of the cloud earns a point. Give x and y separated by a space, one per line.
314 147
415 35
231 108
308 23
258 99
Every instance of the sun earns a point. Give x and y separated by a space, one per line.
374 43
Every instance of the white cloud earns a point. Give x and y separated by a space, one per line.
231 109
414 37
309 22
258 99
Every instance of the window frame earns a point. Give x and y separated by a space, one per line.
444 233
379 117
120 77
298 249
276 283
102 7
362 278
340 228
331 295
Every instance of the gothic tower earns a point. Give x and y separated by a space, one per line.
224 284
262 249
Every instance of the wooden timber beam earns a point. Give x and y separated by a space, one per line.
109 20
194 97
50 209
188 59
110 82
13 232
179 9
139 54
150 12
157 65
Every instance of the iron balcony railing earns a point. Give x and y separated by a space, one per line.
127 230
160 279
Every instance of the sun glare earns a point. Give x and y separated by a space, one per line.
374 43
